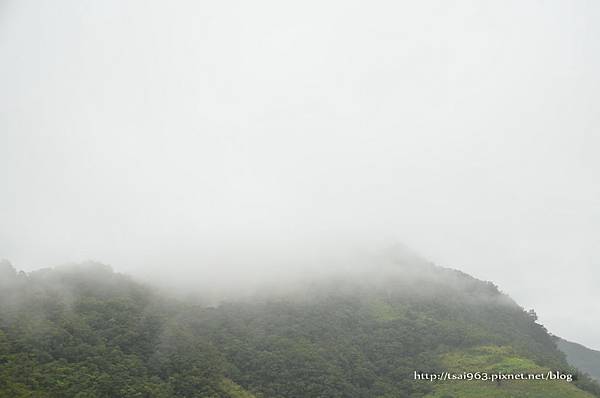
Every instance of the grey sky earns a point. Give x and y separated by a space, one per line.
162 134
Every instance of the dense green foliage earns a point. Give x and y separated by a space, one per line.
84 331
494 359
87 332
583 358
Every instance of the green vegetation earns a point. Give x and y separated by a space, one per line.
583 358
517 389
493 360
234 390
84 331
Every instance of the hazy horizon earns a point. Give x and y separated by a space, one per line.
161 137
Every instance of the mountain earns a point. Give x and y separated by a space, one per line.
581 357
85 331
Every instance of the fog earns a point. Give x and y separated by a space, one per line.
228 141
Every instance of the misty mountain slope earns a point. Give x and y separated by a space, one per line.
581 357
367 338
494 359
87 332
84 331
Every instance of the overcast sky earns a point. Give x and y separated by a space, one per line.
158 134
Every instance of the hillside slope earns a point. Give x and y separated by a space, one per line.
84 331
581 357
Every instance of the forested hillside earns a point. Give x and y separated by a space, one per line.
85 331
583 358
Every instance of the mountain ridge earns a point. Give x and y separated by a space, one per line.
83 330
581 357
